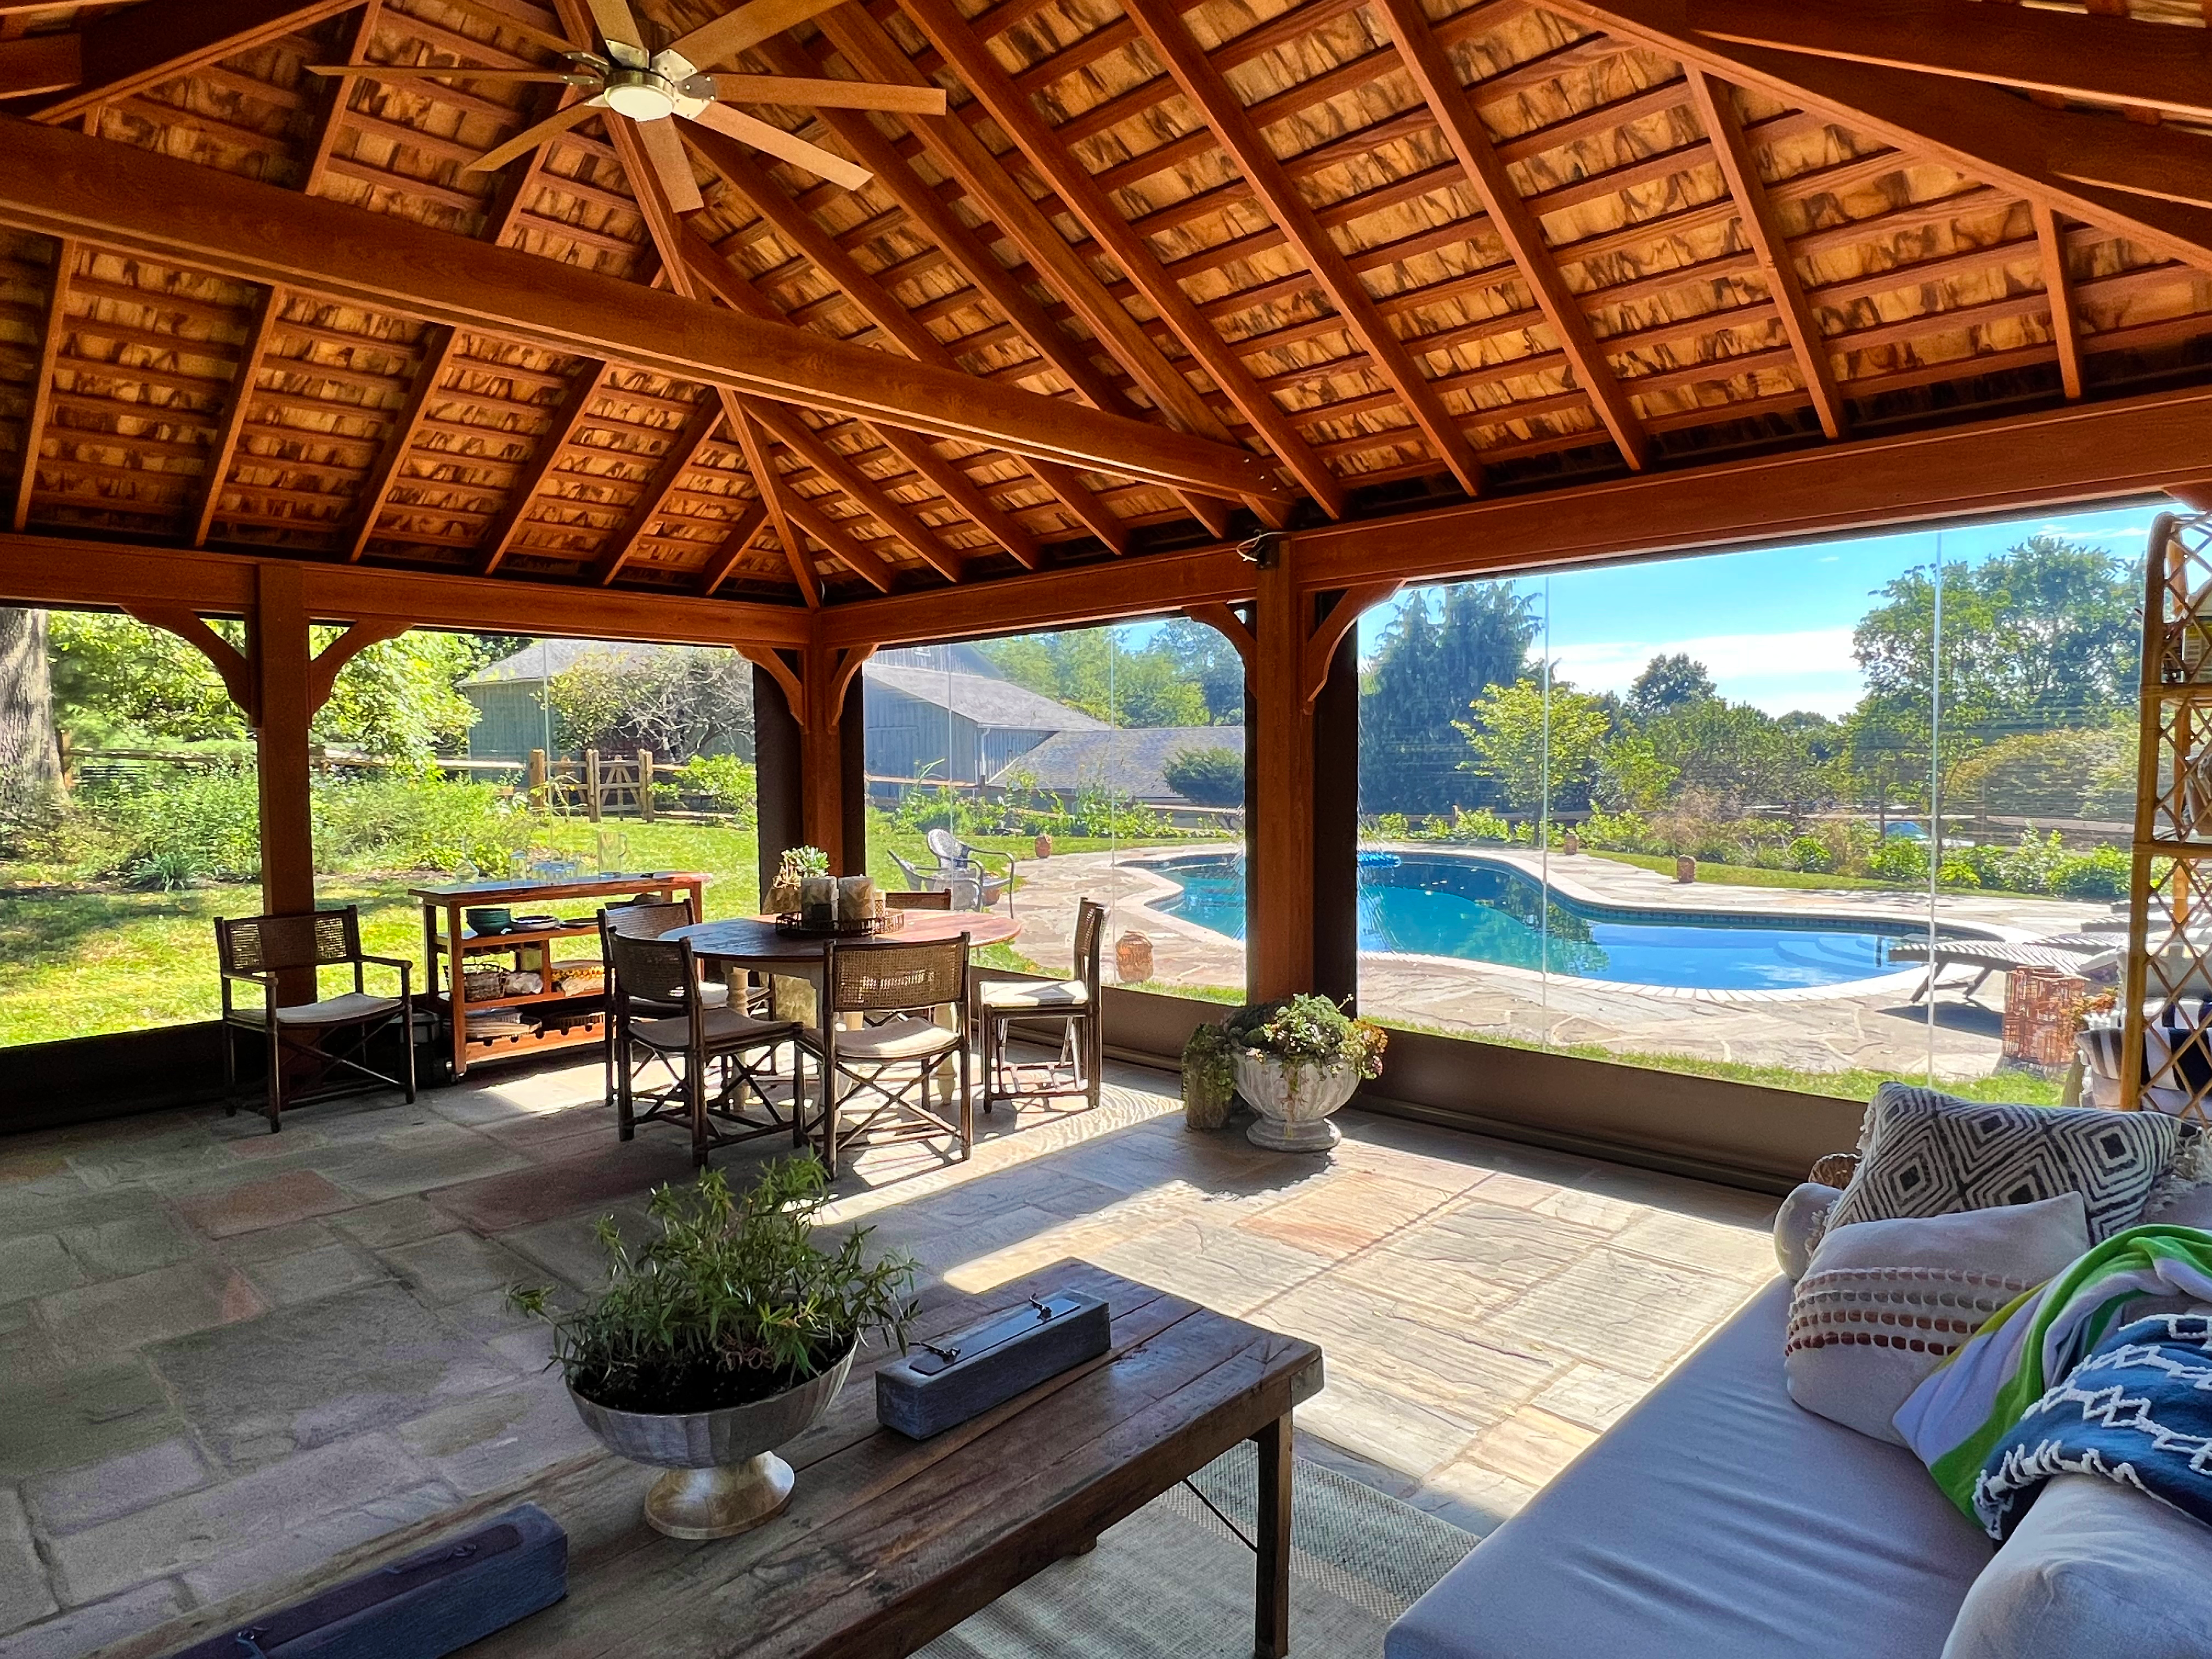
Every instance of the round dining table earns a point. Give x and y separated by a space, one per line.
758 942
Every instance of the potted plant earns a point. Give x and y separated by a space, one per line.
1209 1078
797 864
1297 1061
722 1338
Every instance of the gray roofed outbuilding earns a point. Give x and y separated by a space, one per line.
1132 760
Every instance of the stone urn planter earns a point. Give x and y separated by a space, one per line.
1044 847
1294 1101
723 1475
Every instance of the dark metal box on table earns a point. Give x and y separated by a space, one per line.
947 1382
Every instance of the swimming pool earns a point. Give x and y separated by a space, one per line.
1448 904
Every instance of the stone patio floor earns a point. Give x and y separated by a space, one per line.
1877 1027
226 1355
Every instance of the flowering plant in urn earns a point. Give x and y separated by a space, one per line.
1297 1060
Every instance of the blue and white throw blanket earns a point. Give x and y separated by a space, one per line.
2056 1384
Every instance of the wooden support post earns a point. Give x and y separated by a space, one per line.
591 785
281 656
539 797
645 786
1279 798
817 681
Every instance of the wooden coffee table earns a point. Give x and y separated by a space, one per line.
890 1542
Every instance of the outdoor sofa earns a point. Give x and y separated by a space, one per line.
1721 1520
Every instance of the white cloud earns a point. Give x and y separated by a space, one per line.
1812 668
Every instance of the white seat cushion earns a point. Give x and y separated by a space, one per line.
2095 1571
714 994
1013 997
1718 1520
905 1038
331 1011
725 1028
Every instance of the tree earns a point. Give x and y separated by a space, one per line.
1668 683
1095 670
678 701
1433 658
1512 736
119 683
1206 777
30 760
1739 756
1201 655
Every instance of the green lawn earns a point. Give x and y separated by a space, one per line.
1749 875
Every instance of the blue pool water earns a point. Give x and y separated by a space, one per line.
1463 905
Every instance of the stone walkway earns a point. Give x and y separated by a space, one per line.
1876 1026
226 1355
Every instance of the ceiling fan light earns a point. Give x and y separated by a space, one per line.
641 100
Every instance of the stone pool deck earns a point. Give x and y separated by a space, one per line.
1875 1025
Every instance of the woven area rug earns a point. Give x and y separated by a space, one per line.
1172 1581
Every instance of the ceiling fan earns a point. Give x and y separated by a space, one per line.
650 88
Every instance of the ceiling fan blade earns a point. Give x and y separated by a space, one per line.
829 95
732 32
451 72
664 148
529 137
618 28
787 146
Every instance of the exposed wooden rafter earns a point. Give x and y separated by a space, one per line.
762 465
127 51
1762 229
684 448
1436 81
62 183
790 429
2096 59
724 559
562 422
268 311
1240 139
42 383
2058 285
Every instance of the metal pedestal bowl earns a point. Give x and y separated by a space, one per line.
723 1477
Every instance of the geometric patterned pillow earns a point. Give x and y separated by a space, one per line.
1922 1152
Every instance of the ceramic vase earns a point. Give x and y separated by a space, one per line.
1294 1101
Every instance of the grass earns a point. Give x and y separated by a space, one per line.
1752 875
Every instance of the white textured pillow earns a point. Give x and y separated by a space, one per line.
2095 1571
1799 1224
1883 1301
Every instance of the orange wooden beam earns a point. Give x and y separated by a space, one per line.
1329 630
328 663
42 382
724 558
128 51
680 457
562 422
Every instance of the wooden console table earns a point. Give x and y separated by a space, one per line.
556 1019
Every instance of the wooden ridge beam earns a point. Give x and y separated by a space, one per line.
72 571
681 454
42 382
1241 141
1762 227
1086 200
62 183
138 48
2094 59
563 421
1984 131
1438 82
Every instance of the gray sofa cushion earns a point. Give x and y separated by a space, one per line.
1718 1520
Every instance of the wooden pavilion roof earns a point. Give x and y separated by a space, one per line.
1401 253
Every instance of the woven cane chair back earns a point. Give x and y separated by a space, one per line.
882 979
647 921
1090 930
254 944
651 970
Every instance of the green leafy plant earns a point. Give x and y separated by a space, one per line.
1309 1031
1209 1077
799 862
732 1302
1209 777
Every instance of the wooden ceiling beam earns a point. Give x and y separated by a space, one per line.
139 47
1762 227
563 421
136 202
1438 82
680 457
1085 199
800 228
762 465
2058 287
71 570
40 403
2092 58
37 64
724 559
1241 142
1984 131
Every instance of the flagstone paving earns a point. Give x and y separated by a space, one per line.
226 1355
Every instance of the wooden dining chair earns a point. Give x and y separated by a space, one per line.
896 992
260 952
687 1046
1002 999
644 919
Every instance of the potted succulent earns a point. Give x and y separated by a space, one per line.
722 1338
1209 1078
1297 1061
797 864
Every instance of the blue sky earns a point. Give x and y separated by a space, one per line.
1772 628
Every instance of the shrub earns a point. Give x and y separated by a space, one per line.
1480 824
183 827
1958 871
415 824
730 783
2101 874
1618 832
1393 826
1206 777
1899 860
1812 854
2030 866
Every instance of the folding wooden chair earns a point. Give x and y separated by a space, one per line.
260 951
895 990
